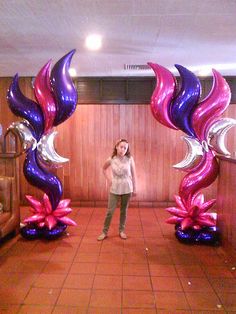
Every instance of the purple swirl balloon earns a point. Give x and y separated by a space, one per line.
25 108
42 179
63 89
185 102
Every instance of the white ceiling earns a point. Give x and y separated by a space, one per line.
192 33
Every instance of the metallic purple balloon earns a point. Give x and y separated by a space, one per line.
63 88
42 179
25 108
185 102
212 106
162 95
203 175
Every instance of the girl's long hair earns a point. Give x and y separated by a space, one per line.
128 154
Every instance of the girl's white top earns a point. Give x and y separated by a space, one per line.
121 175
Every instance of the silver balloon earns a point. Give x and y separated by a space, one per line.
216 135
24 134
46 152
193 156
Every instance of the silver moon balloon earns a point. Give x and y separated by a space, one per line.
216 135
193 156
24 134
46 152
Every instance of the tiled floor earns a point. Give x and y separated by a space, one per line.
150 272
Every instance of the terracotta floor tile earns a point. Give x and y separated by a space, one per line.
166 284
202 300
162 270
136 283
171 300
138 311
86 257
12 295
9 309
103 310
83 268
42 296
79 281
196 284
109 269
137 258
60 309
111 258
105 298
32 266
56 267
49 280
135 269
138 299
90 247
190 271
35 309
19 280
107 282
228 300
224 284
74 297
218 272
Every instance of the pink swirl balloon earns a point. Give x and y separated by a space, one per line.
204 175
210 108
162 95
43 94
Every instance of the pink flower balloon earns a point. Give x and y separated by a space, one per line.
204 175
212 106
162 95
43 94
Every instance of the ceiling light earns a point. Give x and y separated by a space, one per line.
72 72
93 42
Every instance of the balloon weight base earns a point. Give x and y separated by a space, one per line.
32 232
206 236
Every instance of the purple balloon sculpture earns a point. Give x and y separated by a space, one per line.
56 102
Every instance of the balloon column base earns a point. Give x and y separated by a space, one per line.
207 236
32 232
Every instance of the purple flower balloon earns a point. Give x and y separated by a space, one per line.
63 88
185 102
42 179
25 108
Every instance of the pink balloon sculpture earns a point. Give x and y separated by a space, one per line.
190 211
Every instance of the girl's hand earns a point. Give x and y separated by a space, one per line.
134 193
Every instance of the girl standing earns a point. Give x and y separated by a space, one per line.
122 185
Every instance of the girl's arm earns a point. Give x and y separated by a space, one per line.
104 169
133 172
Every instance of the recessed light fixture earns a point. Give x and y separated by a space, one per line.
72 72
93 42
